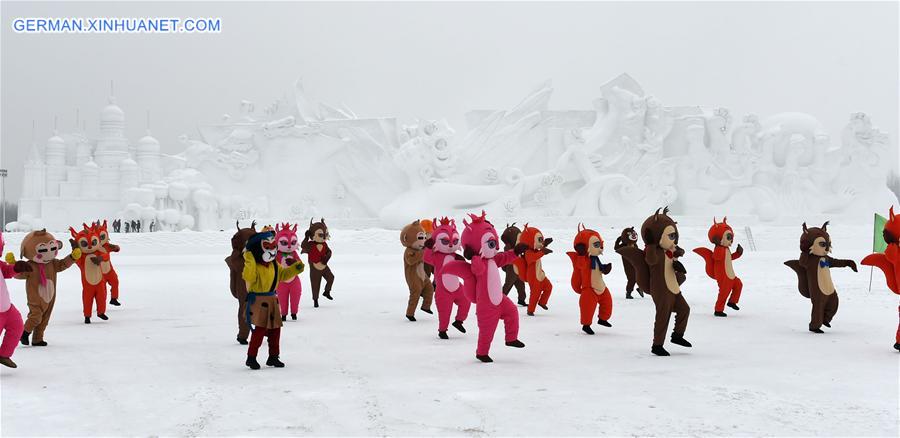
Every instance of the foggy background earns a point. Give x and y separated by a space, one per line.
439 60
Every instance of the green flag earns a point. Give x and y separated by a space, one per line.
878 243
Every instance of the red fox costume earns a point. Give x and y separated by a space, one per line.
889 262
719 267
587 278
532 242
111 277
94 266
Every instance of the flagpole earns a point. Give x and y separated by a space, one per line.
872 268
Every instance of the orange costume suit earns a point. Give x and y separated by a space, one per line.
587 279
889 262
111 277
94 266
719 267
535 247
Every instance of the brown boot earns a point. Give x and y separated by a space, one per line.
7 362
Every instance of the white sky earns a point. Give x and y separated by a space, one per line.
434 60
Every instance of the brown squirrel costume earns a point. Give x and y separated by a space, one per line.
628 238
814 275
510 237
238 286
412 237
39 248
658 272
318 254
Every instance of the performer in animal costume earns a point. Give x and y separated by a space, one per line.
288 292
428 226
628 238
813 269
318 254
719 265
10 319
889 262
94 267
235 263
262 274
412 237
481 281
510 237
111 277
659 272
533 247
439 250
587 279
39 249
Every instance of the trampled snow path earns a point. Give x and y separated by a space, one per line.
166 363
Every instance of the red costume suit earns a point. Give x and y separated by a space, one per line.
483 286
719 267
587 279
441 249
533 246
94 266
111 277
889 262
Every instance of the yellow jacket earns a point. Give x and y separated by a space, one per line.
260 278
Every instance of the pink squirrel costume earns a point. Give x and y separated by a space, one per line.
441 249
10 319
288 291
483 284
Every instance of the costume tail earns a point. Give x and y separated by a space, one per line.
635 257
707 255
576 273
881 262
802 284
462 270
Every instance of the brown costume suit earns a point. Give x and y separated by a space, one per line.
238 287
510 238
41 297
318 254
412 237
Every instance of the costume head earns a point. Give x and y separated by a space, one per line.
892 228
318 231
102 231
720 233
589 240
286 237
262 245
479 237
660 229
239 240
532 238
510 236
815 241
88 239
629 236
40 247
446 238
413 236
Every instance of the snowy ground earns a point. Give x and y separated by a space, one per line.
166 363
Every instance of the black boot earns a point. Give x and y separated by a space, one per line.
294 316
252 363
734 306
544 306
411 318
241 341
816 330
587 329
7 362
680 340
315 303
720 314
604 323
826 324
530 313
484 358
459 326
640 292
517 344
87 319
274 362
897 346
659 350
24 338
102 316
443 334
39 343
628 295
327 294
428 311
283 318
523 303
114 302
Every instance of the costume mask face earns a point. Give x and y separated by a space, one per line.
595 246
40 247
269 248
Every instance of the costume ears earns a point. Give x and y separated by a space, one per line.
825 226
804 228
253 225
580 227
294 228
891 213
73 232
